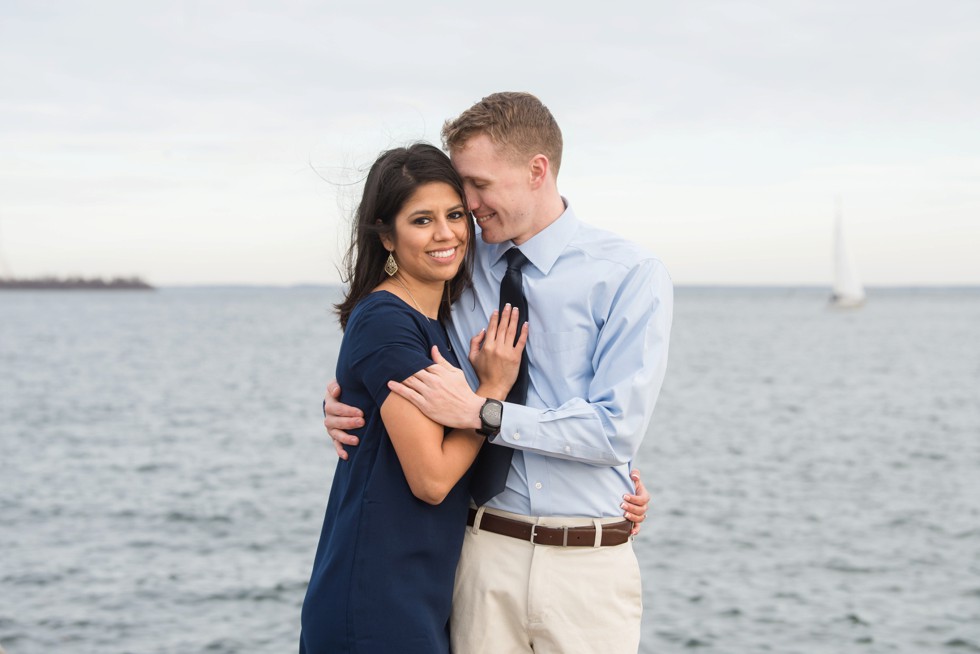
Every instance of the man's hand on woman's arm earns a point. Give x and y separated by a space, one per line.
338 417
441 391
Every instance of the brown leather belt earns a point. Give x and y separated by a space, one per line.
614 533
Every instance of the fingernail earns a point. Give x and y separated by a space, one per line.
623 506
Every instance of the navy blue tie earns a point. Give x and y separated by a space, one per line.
493 462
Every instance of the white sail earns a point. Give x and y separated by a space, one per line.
848 290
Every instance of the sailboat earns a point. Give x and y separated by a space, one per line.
848 291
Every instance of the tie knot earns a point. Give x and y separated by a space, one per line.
515 259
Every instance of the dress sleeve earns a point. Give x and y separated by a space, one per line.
388 343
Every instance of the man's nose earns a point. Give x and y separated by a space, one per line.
472 199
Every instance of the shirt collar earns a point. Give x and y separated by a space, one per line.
544 248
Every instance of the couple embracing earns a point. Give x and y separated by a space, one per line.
498 519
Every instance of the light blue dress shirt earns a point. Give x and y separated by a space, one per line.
600 310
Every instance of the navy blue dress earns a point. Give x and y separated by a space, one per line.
383 574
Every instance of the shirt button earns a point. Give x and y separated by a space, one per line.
517 436
538 485
567 449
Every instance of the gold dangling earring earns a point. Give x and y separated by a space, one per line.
391 266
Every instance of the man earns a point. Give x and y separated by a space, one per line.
546 565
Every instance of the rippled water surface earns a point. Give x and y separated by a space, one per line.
816 474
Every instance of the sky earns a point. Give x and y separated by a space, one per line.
223 142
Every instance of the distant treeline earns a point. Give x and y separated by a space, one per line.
96 283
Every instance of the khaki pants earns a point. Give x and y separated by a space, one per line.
512 596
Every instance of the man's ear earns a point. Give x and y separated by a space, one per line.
538 169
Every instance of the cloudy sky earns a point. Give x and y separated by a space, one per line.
221 142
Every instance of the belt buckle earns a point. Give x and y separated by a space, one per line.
564 535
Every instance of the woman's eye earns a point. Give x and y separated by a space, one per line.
421 220
456 215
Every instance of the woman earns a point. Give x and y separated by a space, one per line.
384 568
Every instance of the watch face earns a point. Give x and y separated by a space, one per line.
491 413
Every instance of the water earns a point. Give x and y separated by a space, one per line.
163 472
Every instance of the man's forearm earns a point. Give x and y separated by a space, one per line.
451 404
574 431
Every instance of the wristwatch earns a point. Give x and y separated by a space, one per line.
491 414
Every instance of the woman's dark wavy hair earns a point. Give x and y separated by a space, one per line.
392 180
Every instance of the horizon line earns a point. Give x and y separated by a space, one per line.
745 285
